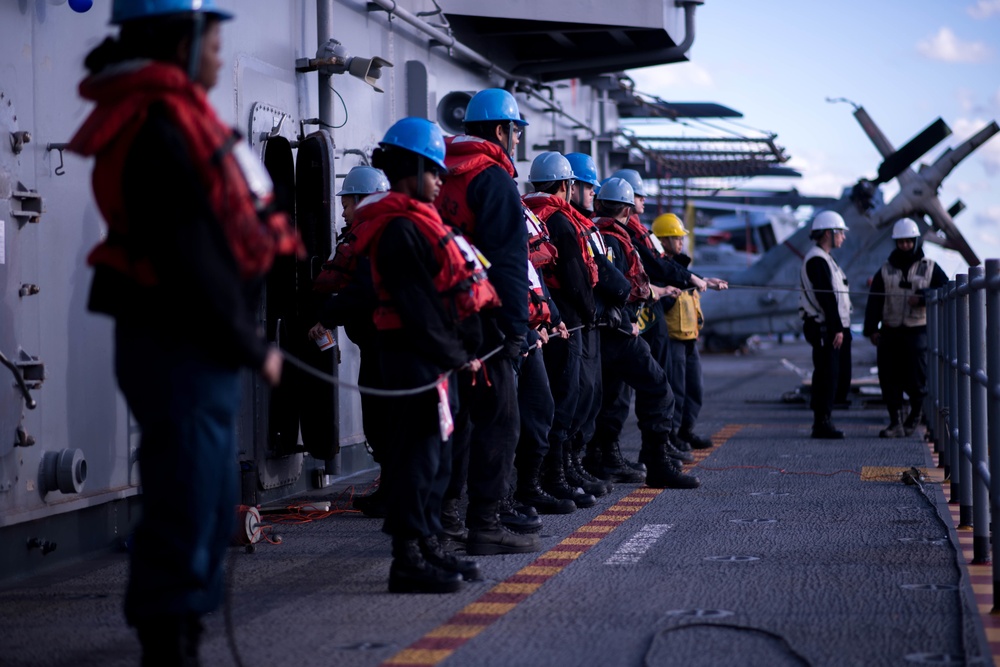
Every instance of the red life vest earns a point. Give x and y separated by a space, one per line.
541 256
461 279
635 273
254 234
338 270
641 234
543 205
466 157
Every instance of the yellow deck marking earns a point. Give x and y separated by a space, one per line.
425 652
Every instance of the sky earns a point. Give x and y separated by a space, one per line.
907 62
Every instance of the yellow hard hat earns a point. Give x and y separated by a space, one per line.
668 224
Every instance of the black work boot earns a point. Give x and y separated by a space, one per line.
604 460
663 471
452 526
553 481
164 642
576 448
373 505
488 537
411 573
694 440
913 419
516 520
435 554
530 492
578 477
895 427
823 429
675 452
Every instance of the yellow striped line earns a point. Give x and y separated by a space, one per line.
441 642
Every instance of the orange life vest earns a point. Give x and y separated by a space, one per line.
466 157
645 236
236 190
337 271
636 274
541 256
461 279
544 205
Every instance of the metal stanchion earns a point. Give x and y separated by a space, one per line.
933 361
978 382
951 395
962 418
993 399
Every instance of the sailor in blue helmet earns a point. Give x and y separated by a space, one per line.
481 199
625 356
668 278
610 296
548 483
352 305
191 236
430 286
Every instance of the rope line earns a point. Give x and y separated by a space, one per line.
372 391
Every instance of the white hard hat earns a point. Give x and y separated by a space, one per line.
828 220
905 229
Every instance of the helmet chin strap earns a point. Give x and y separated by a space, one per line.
194 57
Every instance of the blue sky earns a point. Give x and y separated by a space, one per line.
905 62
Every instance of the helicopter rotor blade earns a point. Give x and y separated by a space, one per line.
899 161
953 237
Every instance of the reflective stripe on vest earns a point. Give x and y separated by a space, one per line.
896 310
808 305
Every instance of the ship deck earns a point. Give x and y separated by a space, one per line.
792 552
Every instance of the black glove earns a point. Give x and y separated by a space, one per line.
512 348
614 316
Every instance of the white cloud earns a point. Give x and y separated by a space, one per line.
660 79
947 47
990 218
984 9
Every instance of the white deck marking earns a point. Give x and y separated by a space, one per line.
636 546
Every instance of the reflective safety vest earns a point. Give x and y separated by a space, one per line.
635 273
544 205
461 279
684 319
896 310
466 157
640 234
541 256
809 306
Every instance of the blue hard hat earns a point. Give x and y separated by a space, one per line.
493 104
633 178
584 168
617 190
128 10
550 166
364 181
417 135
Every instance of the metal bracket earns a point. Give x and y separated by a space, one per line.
61 169
18 140
30 201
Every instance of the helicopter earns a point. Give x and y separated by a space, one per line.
770 305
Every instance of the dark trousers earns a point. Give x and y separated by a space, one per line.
625 360
562 367
416 465
684 373
831 378
591 387
487 427
374 409
186 407
902 366
536 406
